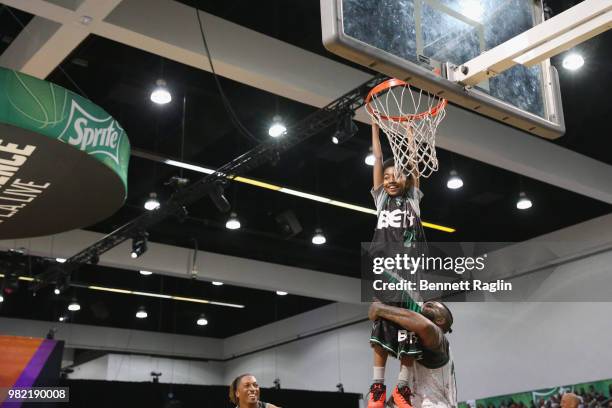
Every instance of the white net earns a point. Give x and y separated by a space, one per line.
410 119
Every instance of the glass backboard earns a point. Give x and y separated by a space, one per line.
414 39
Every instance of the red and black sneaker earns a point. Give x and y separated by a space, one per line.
378 396
401 397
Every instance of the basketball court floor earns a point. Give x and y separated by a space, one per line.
219 229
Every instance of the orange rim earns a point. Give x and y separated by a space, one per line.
393 82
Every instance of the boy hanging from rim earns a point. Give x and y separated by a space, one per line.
397 196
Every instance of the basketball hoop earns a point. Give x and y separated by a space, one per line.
410 119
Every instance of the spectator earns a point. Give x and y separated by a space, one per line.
570 400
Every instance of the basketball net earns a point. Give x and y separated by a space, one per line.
410 119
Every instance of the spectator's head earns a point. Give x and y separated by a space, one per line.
438 313
570 400
244 389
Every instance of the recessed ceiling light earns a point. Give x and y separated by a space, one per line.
146 273
281 293
217 283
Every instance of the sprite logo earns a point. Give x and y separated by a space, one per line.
91 134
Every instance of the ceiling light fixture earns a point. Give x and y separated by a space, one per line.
277 128
319 238
233 222
159 296
62 283
370 159
60 260
523 202
202 320
152 202
161 95
217 283
141 313
573 61
139 244
454 182
74 305
281 293
146 273
345 129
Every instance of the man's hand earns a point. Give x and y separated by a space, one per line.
374 309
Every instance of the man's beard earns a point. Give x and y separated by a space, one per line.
428 313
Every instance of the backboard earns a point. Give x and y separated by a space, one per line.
413 39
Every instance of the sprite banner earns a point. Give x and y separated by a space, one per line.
593 394
63 159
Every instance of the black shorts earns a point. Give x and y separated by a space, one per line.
385 334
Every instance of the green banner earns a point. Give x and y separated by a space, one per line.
55 112
63 159
594 394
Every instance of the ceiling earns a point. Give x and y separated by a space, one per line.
170 316
483 210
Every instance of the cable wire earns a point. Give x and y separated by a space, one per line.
226 103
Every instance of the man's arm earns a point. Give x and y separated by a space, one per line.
377 152
415 322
